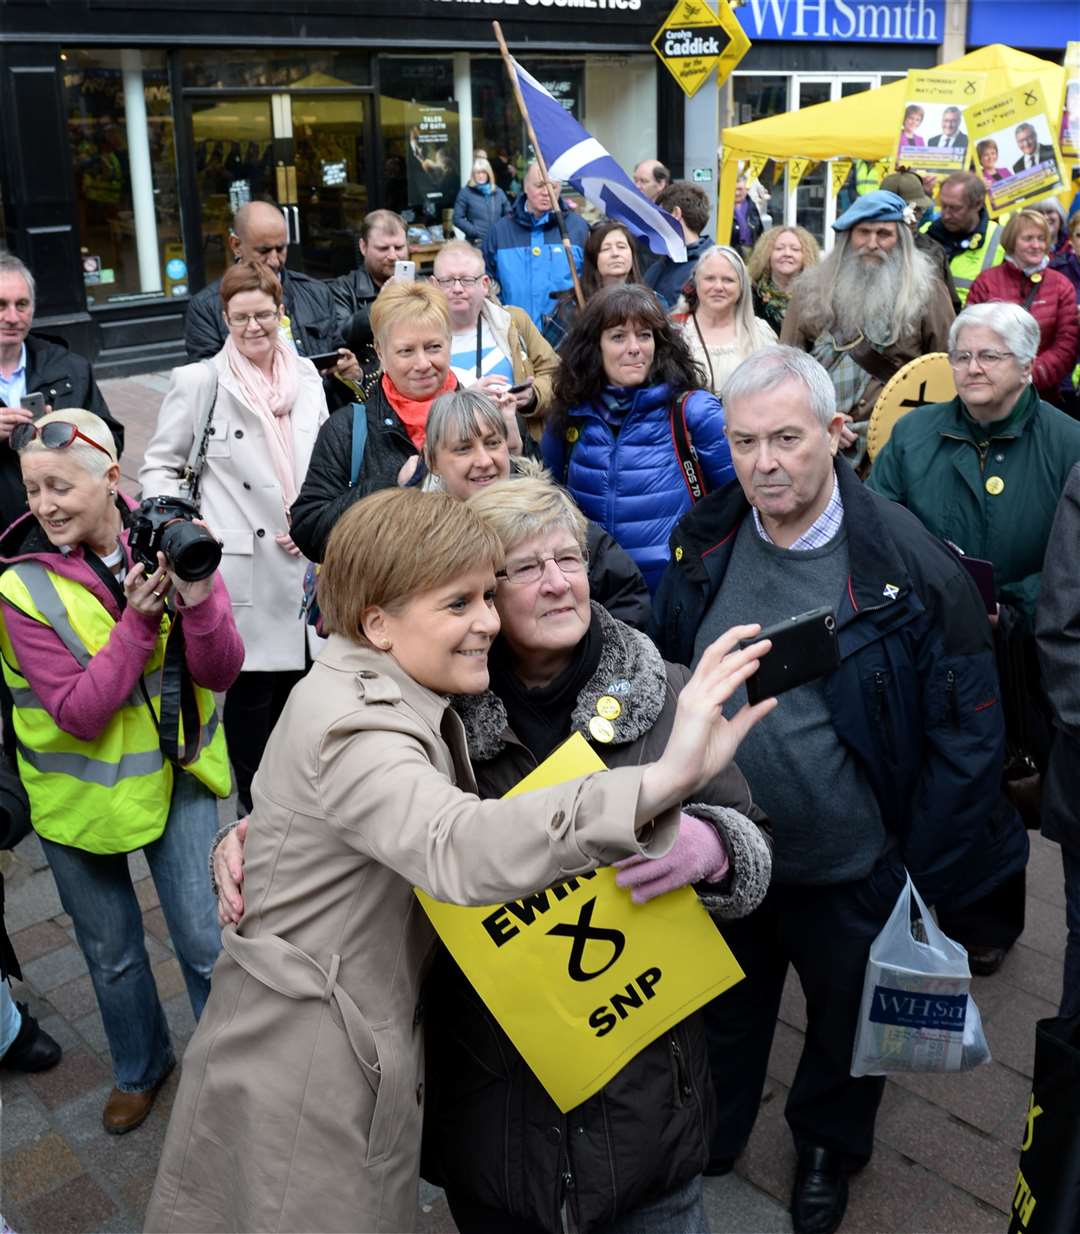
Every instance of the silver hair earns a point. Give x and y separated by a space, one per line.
744 306
10 264
915 280
460 416
1015 326
771 366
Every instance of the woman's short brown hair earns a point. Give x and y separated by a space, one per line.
1023 218
418 304
250 276
392 546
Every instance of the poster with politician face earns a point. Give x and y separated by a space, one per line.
1015 147
933 135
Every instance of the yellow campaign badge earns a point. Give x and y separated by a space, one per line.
579 976
995 485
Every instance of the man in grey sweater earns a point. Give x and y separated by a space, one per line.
893 760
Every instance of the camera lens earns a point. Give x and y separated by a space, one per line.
192 552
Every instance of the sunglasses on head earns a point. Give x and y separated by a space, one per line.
56 435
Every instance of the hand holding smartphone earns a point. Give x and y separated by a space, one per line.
34 404
804 648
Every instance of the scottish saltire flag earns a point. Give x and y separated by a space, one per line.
572 154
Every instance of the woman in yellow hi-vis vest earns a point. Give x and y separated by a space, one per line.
94 651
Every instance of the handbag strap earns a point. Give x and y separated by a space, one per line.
359 442
192 471
689 465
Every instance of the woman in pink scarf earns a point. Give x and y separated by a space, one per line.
268 406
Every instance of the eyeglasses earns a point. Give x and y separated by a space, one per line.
56 435
984 359
469 280
263 319
569 561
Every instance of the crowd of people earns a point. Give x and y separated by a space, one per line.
492 511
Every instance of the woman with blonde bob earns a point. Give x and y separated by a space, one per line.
301 1100
411 325
480 203
719 323
779 257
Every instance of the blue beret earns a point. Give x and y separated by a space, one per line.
878 207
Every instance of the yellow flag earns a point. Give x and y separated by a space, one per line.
579 976
797 169
755 165
778 172
841 168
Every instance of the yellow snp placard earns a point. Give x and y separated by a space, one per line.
1015 149
932 131
580 977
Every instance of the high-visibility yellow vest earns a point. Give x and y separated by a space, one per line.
868 177
110 794
983 253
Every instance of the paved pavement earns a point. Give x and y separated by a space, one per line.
945 1153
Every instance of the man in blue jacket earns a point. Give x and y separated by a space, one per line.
893 760
524 252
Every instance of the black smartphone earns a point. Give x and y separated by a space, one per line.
804 648
525 385
327 360
33 403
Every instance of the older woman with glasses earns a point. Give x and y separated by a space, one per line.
268 404
985 472
88 639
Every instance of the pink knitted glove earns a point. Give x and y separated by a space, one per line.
698 853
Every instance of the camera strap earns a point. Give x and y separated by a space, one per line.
178 701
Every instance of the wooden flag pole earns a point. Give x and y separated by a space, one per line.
567 246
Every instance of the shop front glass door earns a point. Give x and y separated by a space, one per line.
812 190
305 151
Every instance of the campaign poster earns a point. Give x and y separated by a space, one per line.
1069 132
1015 150
933 133
431 158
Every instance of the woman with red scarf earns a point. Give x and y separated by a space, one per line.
268 404
411 325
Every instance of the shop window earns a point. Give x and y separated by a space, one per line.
756 96
297 68
120 129
419 120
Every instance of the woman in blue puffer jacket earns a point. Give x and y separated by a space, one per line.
480 203
634 437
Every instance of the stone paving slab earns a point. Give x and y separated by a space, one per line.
945 1153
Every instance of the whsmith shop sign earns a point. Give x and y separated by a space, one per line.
845 21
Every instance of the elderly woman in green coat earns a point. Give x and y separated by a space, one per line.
985 473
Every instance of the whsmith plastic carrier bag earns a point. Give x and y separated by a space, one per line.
917 1011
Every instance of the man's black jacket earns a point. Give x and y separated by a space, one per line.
66 381
916 696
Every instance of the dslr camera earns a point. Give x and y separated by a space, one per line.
166 525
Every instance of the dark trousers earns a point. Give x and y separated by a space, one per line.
252 706
825 932
995 920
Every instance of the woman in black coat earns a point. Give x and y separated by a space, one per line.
480 203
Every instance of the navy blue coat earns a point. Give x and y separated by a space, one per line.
916 696
476 212
526 255
631 482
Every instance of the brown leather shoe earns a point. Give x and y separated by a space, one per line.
125 1111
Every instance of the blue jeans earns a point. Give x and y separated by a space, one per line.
96 890
10 1020
1070 991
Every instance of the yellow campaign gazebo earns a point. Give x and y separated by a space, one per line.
864 126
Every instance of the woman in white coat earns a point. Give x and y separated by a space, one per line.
269 405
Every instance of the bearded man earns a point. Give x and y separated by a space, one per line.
872 305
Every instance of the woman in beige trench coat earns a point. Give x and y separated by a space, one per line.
301 1097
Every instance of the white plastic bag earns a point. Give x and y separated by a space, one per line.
917 1012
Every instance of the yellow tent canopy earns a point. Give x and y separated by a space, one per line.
865 125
